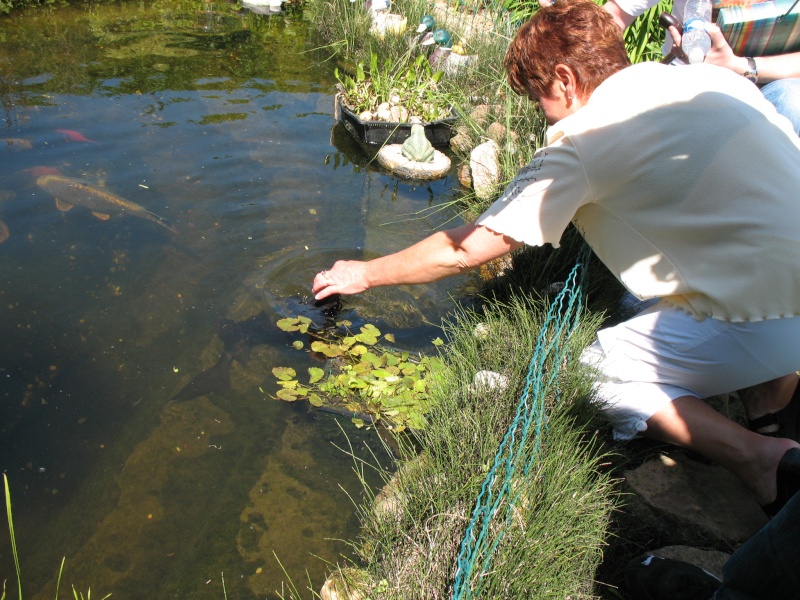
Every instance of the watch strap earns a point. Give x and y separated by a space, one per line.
752 69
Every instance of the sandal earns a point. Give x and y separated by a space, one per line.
788 479
785 419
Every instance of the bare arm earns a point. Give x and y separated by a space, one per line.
440 255
622 18
770 68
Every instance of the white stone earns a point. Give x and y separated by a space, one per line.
488 380
484 164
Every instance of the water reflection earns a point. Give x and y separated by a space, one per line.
221 123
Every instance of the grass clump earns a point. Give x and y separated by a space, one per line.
10 517
552 543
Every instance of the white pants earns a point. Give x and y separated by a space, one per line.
663 353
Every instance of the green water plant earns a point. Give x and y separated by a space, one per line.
562 506
9 515
405 81
362 375
644 37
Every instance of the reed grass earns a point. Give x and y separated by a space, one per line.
10 517
412 531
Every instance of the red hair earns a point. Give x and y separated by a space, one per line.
576 33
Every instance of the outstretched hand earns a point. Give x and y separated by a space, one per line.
345 277
721 53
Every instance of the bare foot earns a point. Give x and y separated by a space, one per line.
763 471
768 397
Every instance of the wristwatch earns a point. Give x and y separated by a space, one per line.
751 72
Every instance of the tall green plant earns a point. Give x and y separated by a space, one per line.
645 36
413 82
75 593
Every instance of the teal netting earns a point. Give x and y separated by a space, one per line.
496 501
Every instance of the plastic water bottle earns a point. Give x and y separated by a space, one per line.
695 41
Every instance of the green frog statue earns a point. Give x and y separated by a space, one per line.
417 147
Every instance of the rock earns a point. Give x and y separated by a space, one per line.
496 132
480 112
485 167
345 584
710 560
389 503
686 499
496 268
391 157
461 142
464 176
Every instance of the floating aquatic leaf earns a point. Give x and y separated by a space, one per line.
366 378
329 350
389 337
284 373
358 350
289 324
437 342
372 359
315 374
297 345
288 395
367 338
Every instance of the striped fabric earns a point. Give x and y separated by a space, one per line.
762 29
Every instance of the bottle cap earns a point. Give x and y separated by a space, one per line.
696 55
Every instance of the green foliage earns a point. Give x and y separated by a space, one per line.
363 376
645 36
413 82
341 25
76 594
520 10
6 6
411 532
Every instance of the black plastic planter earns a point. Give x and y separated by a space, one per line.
378 133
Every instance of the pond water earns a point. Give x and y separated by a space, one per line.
221 124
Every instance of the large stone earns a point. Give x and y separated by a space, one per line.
346 584
688 500
484 164
391 157
710 560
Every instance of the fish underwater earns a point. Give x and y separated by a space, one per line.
71 135
72 192
40 170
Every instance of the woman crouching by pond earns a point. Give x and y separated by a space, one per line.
686 184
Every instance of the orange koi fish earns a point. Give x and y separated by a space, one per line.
74 136
40 170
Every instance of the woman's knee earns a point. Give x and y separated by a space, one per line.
784 94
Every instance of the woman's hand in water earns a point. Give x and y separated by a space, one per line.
345 277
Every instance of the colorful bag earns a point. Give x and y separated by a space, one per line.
762 29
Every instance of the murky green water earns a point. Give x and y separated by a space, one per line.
220 123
